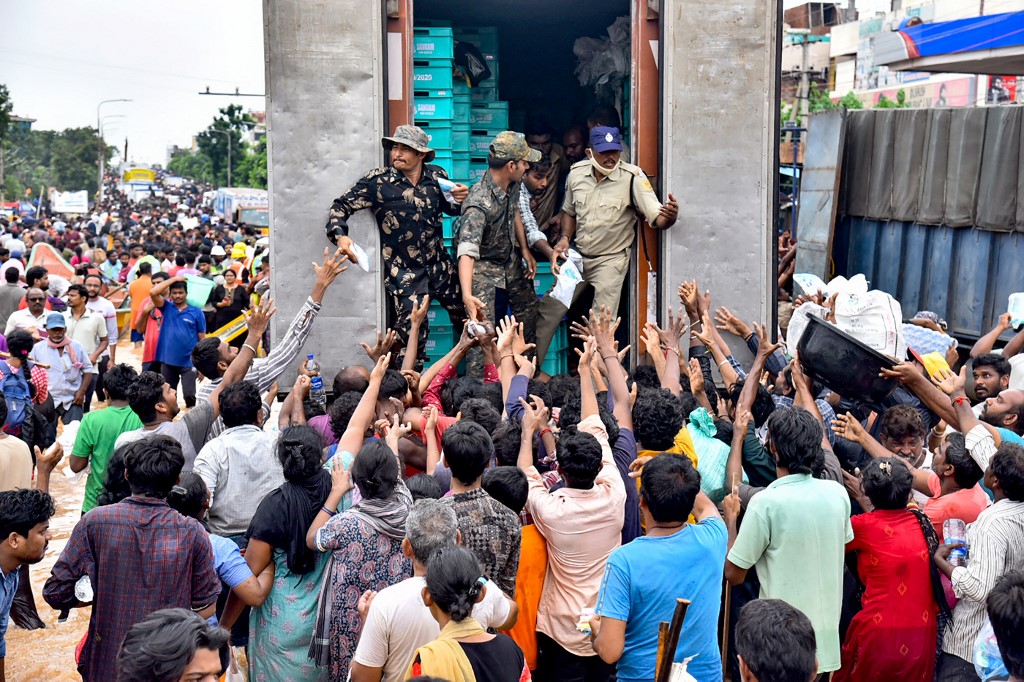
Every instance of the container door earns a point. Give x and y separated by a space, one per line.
719 69
325 116
398 53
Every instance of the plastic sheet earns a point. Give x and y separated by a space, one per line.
603 63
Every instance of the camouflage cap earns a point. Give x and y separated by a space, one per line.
512 145
413 137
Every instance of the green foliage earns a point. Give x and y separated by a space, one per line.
6 107
818 100
196 166
226 129
899 103
66 160
851 101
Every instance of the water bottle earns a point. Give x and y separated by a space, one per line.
316 390
955 530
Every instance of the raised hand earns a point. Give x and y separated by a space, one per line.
418 314
258 318
506 330
331 268
949 382
696 376
381 367
519 345
765 346
845 426
727 322
535 414
383 345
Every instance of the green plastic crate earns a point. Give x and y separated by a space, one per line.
483 94
460 137
440 340
484 37
462 109
555 363
440 134
460 165
543 281
433 74
489 115
480 141
448 227
433 105
477 170
432 43
443 158
437 316
560 341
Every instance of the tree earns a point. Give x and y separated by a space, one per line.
194 165
226 129
817 100
851 101
899 103
6 107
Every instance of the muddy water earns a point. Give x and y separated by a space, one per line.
49 654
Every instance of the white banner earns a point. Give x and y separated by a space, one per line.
70 202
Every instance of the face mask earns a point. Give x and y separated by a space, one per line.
601 169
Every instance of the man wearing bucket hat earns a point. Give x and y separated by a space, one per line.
69 370
603 197
408 204
491 240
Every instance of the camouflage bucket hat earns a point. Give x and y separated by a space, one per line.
512 145
412 137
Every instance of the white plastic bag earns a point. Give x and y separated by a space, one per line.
569 277
234 672
874 318
1016 309
798 324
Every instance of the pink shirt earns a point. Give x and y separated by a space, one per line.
582 528
964 504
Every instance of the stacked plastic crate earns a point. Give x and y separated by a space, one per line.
488 116
444 116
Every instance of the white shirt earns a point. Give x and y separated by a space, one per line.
106 309
12 263
398 624
24 319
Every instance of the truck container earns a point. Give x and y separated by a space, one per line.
699 104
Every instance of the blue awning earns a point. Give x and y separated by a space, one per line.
992 44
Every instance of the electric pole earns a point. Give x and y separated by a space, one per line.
102 148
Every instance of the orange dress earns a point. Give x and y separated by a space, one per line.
533 564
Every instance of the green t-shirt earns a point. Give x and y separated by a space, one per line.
795 533
95 442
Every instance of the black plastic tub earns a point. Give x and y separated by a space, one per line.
844 364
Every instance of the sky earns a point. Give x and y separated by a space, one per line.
61 58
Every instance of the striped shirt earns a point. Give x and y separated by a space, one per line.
996 542
533 233
264 371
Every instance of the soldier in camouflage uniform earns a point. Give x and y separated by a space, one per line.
492 240
407 204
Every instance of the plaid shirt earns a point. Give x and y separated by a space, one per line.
492 532
141 556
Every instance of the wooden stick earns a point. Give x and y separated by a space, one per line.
672 641
662 636
5 355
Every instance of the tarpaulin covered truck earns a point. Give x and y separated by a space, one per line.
699 98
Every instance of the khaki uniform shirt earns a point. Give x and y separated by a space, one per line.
605 220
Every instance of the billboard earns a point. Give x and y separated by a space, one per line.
70 202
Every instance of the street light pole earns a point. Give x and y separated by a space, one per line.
228 134
99 131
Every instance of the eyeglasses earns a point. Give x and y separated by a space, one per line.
36 298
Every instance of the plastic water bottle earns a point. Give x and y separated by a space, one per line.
955 530
316 390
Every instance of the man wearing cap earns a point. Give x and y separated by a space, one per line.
407 203
603 197
492 240
70 370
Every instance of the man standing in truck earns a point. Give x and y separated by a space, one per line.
603 196
408 203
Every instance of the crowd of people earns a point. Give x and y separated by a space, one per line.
502 524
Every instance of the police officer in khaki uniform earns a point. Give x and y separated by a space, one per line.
603 196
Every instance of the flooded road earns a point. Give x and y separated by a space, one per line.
49 654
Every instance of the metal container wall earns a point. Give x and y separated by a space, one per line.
964 275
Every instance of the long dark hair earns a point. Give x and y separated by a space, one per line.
454 580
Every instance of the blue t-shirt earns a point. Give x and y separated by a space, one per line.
641 584
179 334
227 559
8 587
1010 437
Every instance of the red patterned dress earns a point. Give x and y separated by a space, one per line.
893 636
